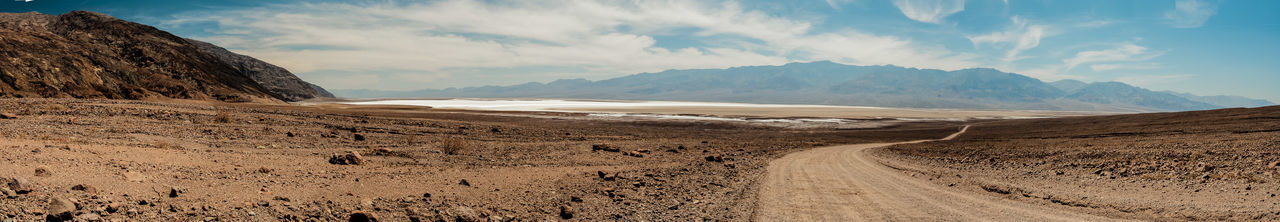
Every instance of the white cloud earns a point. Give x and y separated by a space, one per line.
597 39
1191 13
1018 37
929 11
1127 52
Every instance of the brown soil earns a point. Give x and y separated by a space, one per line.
1193 166
185 160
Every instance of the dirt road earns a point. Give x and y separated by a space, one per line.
843 183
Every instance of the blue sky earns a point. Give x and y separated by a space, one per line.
1206 47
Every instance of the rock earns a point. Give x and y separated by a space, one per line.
358 137
1273 164
59 209
635 154
714 158
382 151
464 214
361 216
351 158
7 192
114 207
264 170
604 147
642 150
85 187
134 176
8 116
464 182
289 134
89 217
20 185
43 171
174 191
566 212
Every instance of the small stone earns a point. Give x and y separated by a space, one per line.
351 158
566 212
361 216
289 134
114 207
8 116
464 182
85 187
264 170
383 150
1273 164
174 191
43 171
358 137
7 192
134 177
59 209
604 147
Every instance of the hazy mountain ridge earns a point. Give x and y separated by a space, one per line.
1224 101
837 84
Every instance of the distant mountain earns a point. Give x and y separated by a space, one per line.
1224 101
84 54
1069 85
1124 94
837 84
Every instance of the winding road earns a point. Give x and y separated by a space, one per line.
844 183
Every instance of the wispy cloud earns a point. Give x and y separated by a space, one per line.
597 39
835 4
1113 66
1127 52
1018 37
929 11
1191 13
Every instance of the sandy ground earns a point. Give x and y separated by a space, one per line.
197 161
1215 165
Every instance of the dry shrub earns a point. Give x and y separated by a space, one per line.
222 117
452 145
56 107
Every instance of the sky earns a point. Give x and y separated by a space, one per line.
1205 47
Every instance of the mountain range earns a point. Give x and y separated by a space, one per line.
830 83
84 54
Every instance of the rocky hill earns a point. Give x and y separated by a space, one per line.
277 80
91 55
